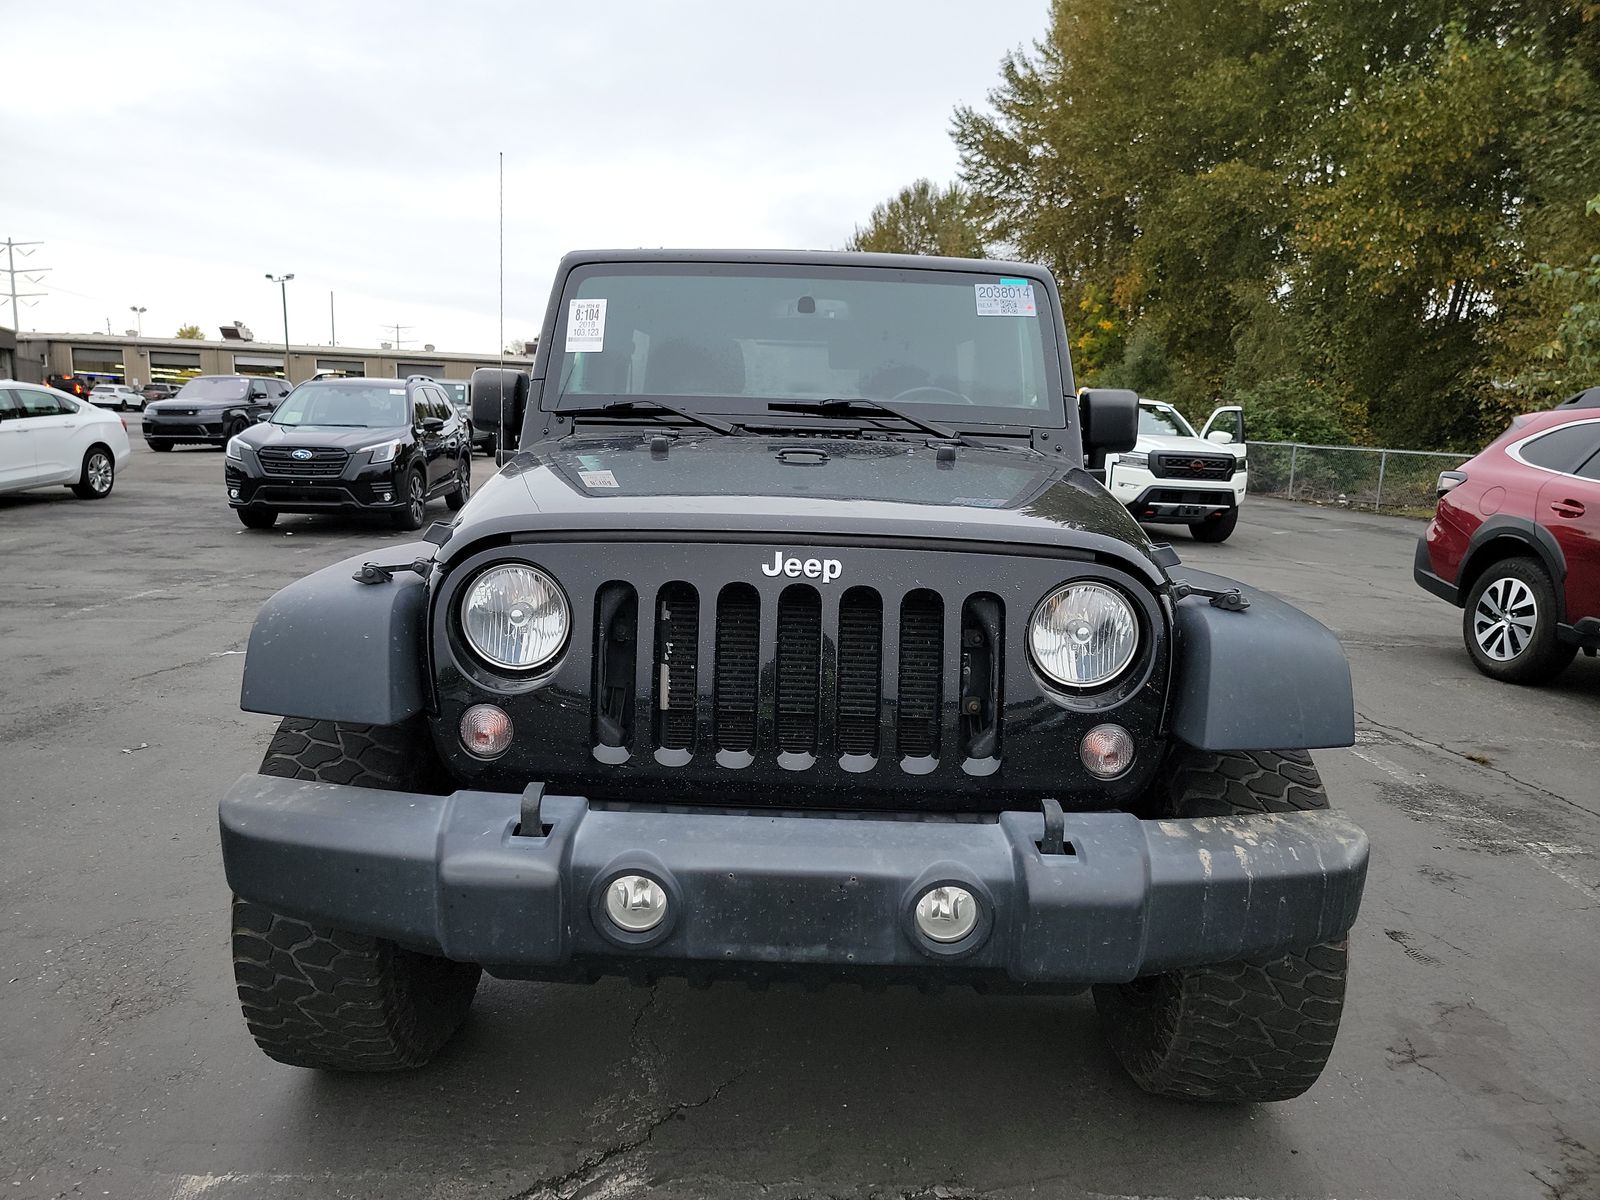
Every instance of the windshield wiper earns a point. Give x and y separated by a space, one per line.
649 408
860 406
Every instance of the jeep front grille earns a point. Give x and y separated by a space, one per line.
802 679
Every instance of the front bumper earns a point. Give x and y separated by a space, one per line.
765 894
199 428
1181 501
362 487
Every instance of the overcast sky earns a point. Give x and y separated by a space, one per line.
172 160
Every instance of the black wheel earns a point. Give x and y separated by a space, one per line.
489 447
315 996
257 518
411 515
1240 1032
98 476
1218 529
1509 623
235 427
159 447
458 498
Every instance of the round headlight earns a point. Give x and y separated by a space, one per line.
515 617
1083 634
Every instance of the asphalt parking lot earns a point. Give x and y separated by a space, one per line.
1467 1065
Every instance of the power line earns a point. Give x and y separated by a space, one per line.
27 273
396 342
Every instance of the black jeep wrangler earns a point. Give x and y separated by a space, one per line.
797 638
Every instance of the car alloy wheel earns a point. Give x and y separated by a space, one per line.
1505 618
416 501
99 473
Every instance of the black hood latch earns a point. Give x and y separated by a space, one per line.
1228 599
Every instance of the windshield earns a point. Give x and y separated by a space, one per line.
1163 422
215 387
967 347
458 394
349 405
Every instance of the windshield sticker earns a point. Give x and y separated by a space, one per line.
598 479
397 391
1008 298
586 326
590 463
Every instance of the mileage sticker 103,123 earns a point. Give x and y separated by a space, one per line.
1008 298
586 326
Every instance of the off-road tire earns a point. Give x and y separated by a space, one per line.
1240 1032
1543 657
98 475
314 996
1219 530
257 518
457 500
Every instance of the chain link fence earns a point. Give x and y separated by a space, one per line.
1372 478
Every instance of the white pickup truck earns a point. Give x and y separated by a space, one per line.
1175 476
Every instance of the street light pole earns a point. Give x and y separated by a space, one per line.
283 287
138 311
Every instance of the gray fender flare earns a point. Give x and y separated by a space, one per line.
327 648
1267 678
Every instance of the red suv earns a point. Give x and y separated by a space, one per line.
1515 543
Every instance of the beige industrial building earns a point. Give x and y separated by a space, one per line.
108 358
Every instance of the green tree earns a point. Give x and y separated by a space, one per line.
191 332
923 219
1342 200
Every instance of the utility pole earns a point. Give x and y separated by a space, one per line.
397 343
283 287
28 274
333 335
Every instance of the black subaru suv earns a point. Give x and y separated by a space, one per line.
351 445
797 637
210 409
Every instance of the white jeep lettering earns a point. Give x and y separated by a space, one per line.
825 569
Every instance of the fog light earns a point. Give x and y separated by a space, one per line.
485 731
233 493
636 903
947 913
385 497
1107 751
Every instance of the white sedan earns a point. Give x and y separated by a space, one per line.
50 438
116 395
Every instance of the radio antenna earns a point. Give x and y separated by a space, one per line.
501 441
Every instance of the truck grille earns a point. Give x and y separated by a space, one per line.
325 462
1173 465
794 674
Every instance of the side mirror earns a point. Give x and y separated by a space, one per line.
432 424
263 418
1220 436
499 402
1110 422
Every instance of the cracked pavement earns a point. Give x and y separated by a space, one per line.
1467 1065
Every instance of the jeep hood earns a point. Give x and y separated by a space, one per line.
798 491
